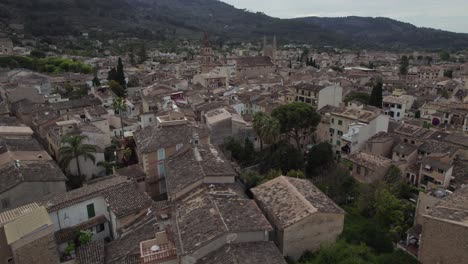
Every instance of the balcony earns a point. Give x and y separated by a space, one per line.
157 250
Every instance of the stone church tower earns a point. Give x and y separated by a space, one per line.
208 59
270 49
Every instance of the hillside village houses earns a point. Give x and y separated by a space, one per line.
164 189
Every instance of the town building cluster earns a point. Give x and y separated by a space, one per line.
178 198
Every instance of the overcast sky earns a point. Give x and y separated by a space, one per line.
449 15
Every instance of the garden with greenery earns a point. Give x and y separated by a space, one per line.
377 214
52 65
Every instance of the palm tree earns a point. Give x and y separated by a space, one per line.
258 125
267 128
271 130
108 166
120 106
73 148
126 154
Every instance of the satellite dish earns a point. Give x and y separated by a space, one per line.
155 248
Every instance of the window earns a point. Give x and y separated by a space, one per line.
161 154
340 122
91 212
161 170
440 171
332 130
179 146
340 133
333 121
358 169
412 142
338 143
45 189
5 203
100 228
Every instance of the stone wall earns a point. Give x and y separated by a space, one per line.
443 242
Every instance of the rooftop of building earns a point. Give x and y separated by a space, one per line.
19 143
289 200
245 253
453 208
437 147
205 215
254 61
131 172
435 163
115 189
16 172
410 130
369 161
192 164
308 87
152 138
19 211
217 115
26 224
91 253
394 99
365 114
457 139
405 148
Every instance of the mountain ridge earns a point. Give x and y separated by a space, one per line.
162 19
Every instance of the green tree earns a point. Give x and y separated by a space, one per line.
126 155
235 147
120 75
112 75
133 81
248 153
267 128
404 64
73 148
120 107
389 212
417 114
96 81
296 120
282 156
376 97
251 179
132 58
108 166
445 94
296 174
358 96
117 88
320 157
428 60
448 74
343 253
444 56
142 53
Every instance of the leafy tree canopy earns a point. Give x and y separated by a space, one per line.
296 119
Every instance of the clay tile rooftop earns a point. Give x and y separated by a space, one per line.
289 200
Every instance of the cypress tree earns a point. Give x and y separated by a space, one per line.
120 76
111 75
376 98
142 53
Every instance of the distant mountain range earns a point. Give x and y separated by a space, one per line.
160 19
